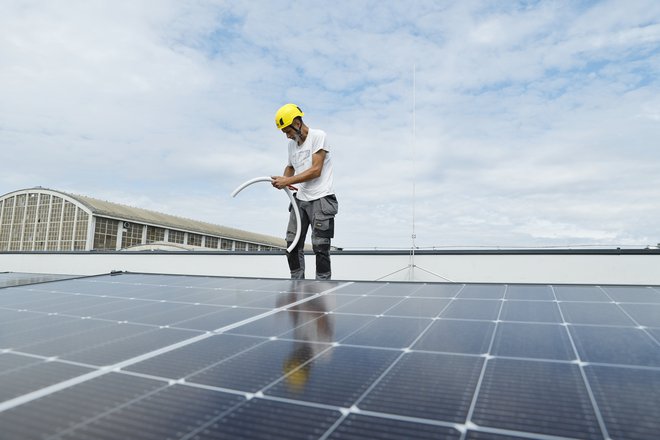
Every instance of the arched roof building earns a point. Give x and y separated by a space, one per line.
40 219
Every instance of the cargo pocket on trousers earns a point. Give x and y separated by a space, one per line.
324 219
329 205
324 225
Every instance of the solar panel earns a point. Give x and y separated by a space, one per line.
159 356
8 279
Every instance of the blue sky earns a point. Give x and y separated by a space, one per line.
535 123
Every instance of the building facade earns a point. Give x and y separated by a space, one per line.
40 219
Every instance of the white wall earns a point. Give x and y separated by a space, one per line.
500 268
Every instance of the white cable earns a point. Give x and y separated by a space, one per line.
288 193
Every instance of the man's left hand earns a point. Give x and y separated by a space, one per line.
280 182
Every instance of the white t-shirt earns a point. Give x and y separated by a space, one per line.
300 158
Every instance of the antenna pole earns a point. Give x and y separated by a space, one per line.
414 129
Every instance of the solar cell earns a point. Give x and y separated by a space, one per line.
389 332
530 292
542 397
160 356
628 400
457 336
409 389
418 307
542 341
359 426
530 311
643 314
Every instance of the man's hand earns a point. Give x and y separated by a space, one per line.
281 182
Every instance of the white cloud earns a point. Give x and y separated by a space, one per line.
536 123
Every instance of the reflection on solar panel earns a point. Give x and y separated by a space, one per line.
8 279
157 356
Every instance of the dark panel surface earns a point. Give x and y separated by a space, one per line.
337 377
371 305
530 311
580 293
254 369
538 397
472 309
476 435
358 427
530 292
67 409
33 377
335 327
8 279
629 400
428 385
276 324
159 356
456 336
612 345
643 314
543 341
418 307
190 359
389 332
438 291
588 313
263 419
164 413
633 294
482 291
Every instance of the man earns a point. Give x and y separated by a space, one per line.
310 169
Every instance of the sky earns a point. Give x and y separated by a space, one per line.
468 124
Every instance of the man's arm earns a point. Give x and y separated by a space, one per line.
312 172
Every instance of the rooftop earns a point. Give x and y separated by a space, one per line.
154 355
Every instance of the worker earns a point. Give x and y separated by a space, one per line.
309 173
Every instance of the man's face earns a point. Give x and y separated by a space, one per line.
293 131
290 132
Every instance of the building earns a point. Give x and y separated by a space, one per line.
40 219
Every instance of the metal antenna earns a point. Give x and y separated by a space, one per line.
414 128
411 263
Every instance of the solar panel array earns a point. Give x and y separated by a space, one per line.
17 279
157 356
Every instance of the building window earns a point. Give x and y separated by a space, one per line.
132 235
226 245
54 223
30 222
155 234
105 234
194 239
35 221
211 242
41 228
68 221
253 247
17 223
240 246
5 226
80 239
176 237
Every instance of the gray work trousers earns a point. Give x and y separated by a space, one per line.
320 214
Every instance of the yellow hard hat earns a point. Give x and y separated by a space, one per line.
286 114
296 370
296 381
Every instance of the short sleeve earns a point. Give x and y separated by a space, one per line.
320 142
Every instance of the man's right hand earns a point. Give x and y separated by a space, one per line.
280 182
